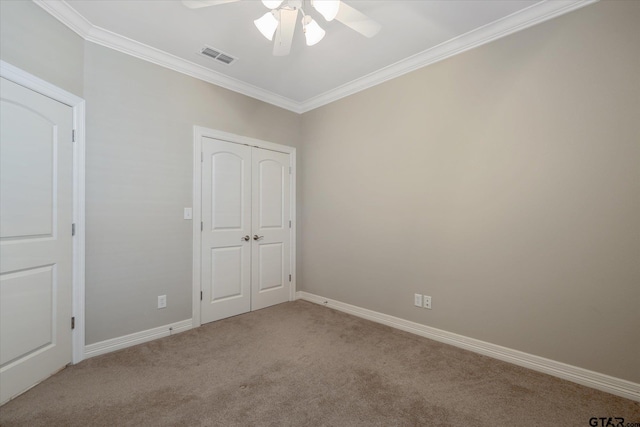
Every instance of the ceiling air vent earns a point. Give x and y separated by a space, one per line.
217 55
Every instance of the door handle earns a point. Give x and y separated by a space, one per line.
246 238
256 237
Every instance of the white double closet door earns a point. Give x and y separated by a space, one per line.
246 234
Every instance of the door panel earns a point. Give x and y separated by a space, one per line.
270 276
227 191
270 217
36 166
27 216
271 179
226 272
26 297
226 218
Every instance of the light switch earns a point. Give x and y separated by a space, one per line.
417 300
188 213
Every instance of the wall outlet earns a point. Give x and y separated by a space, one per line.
417 300
162 301
427 301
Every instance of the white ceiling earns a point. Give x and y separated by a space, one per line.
414 33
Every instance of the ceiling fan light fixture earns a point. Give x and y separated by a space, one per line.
313 33
327 8
272 4
267 25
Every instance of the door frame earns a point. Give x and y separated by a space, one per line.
198 133
36 84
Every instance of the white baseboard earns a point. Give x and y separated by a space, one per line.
609 384
118 343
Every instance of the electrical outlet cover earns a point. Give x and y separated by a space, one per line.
427 302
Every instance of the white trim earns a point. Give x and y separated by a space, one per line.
609 384
198 133
510 24
36 84
23 78
196 227
62 11
294 222
125 341
535 14
79 238
67 15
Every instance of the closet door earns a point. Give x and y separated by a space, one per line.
246 235
226 228
271 213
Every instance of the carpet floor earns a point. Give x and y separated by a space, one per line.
299 364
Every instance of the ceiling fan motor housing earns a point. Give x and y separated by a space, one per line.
296 4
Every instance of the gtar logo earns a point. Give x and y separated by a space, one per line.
606 422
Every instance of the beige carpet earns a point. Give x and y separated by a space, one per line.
299 364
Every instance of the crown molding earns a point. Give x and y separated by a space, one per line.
510 24
62 11
525 18
67 15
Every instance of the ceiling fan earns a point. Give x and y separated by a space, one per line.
280 21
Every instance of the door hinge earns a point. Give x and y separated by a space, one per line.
289 170
73 229
289 224
201 157
73 135
201 226
73 323
289 277
200 295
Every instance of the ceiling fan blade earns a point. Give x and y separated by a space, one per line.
357 20
197 4
284 32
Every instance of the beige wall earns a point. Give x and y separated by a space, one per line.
503 182
139 172
139 147
32 40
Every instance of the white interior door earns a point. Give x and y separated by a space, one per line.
226 226
245 237
271 213
36 195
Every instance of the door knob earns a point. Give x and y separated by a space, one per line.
256 237
246 238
